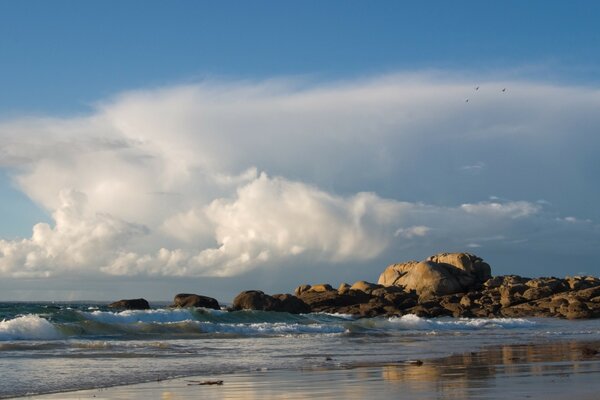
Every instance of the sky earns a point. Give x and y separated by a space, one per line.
151 148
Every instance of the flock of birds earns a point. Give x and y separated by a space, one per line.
477 88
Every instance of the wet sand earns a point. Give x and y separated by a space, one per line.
555 370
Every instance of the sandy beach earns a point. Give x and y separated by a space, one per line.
555 370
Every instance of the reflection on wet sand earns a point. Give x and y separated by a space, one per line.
551 371
459 376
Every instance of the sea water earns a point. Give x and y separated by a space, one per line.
48 347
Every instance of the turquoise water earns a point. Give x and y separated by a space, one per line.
47 347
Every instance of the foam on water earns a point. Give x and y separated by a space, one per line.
135 316
28 327
156 322
411 321
266 328
185 320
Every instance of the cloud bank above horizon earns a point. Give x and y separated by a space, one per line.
220 178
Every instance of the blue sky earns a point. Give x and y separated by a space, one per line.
132 127
60 56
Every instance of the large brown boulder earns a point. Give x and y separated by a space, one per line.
441 274
291 304
469 263
254 300
258 300
131 304
184 300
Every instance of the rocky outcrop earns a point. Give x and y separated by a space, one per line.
361 299
185 300
258 300
446 284
131 304
438 275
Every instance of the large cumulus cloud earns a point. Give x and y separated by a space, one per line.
216 179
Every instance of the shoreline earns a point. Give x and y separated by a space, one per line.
550 370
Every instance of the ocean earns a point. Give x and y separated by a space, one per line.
56 347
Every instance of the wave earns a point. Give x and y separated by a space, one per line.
266 328
189 323
140 316
414 322
28 327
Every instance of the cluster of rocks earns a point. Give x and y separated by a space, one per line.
446 284
182 300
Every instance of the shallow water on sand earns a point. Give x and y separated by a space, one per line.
49 348
550 371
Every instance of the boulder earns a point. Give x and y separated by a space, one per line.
589 293
428 278
494 282
184 300
467 262
534 293
555 285
323 287
343 288
441 274
581 282
577 310
131 304
364 286
393 272
332 301
257 300
301 289
290 304
512 294
254 300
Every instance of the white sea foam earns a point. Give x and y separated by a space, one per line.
414 322
349 317
28 327
145 316
269 328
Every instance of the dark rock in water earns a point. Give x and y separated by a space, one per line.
184 300
330 300
131 304
291 304
257 300
254 300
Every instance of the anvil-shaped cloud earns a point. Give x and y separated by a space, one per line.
219 178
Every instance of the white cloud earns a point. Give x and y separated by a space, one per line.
79 238
412 231
272 219
174 181
517 209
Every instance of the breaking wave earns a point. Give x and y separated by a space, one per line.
28 327
411 321
69 323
